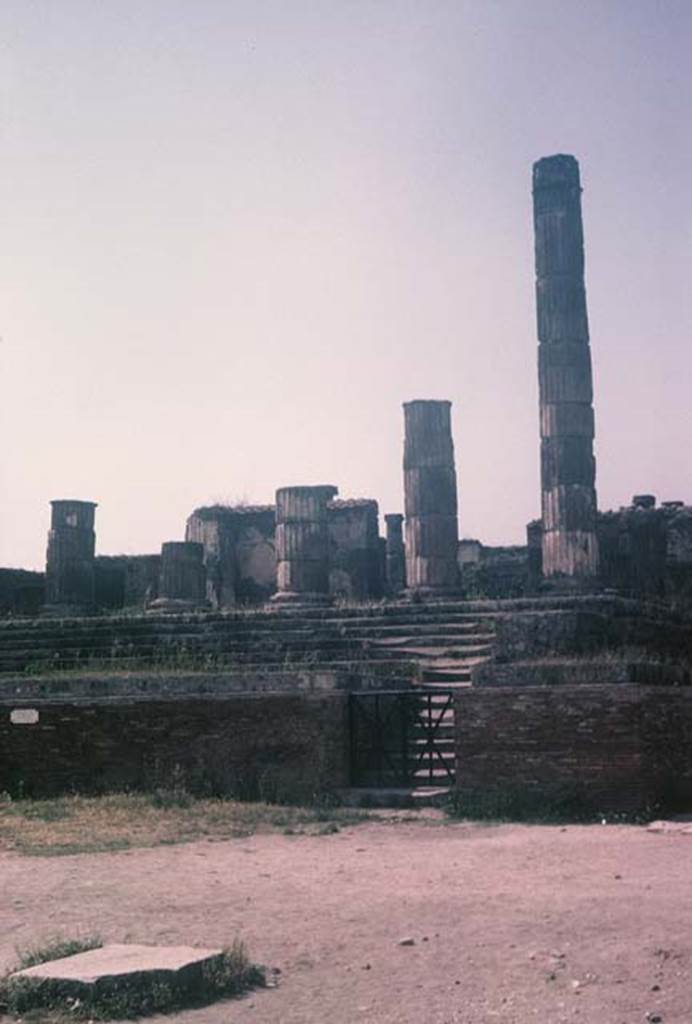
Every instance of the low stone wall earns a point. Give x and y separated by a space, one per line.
272 746
609 747
588 625
576 672
108 685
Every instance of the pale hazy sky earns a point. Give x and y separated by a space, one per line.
238 234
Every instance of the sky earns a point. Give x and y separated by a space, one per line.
238 234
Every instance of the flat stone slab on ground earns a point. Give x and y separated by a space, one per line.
676 827
118 962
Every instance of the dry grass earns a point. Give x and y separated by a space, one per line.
76 824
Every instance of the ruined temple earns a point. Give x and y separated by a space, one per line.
297 647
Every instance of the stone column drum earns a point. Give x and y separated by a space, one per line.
182 577
70 557
430 499
396 553
568 468
302 543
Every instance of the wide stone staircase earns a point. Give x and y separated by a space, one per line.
426 644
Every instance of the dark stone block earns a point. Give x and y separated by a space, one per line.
430 490
567 460
564 373
70 556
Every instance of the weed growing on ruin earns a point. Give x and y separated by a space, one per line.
31 999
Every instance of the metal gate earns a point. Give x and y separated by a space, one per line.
402 738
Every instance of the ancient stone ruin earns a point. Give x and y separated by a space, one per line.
298 651
568 468
70 557
430 499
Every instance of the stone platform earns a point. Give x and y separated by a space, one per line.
104 970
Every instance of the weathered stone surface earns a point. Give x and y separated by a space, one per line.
430 498
568 468
569 506
239 552
492 572
182 580
22 592
396 553
126 581
644 501
302 543
105 969
355 569
70 557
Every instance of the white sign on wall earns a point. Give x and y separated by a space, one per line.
24 716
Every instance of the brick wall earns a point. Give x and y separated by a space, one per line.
618 747
276 746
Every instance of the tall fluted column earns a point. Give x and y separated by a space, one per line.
430 499
568 468
302 543
70 557
396 553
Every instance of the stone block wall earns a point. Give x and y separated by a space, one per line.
239 552
355 558
493 572
21 592
576 671
126 581
278 746
585 626
614 747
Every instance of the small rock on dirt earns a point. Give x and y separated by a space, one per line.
407 941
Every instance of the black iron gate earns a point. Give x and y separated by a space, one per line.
402 738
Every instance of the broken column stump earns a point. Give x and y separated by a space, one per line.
182 578
568 468
70 558
302 543
430 499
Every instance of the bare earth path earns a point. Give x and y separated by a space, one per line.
511 923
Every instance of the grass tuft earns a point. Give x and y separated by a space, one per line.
56 948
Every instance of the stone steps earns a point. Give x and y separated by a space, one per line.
428 641
89 630
378 639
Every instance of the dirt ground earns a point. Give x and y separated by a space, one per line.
510 923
